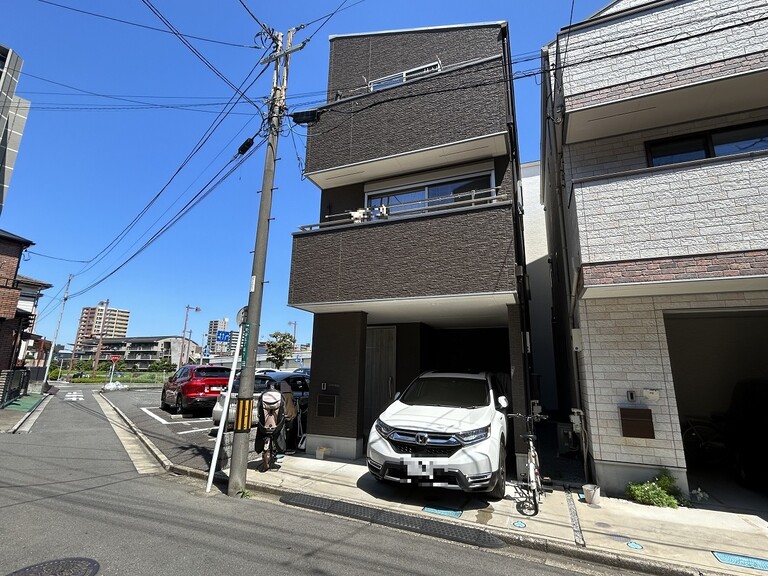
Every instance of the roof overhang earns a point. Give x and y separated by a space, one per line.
479 148
631 289
462 311
703 100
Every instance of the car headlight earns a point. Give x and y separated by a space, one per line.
383 429
474 436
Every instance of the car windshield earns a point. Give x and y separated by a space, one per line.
259 385
213 372
443 391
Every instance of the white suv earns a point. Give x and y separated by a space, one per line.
447 430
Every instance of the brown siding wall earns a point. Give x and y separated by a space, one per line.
354 60
450 107
460 252
338 361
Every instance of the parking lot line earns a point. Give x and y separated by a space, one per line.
195 430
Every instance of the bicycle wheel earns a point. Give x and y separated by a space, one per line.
266 456
534 483
703 444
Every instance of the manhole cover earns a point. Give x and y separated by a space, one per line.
62 567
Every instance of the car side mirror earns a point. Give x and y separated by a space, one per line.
503 402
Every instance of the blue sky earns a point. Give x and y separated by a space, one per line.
117 107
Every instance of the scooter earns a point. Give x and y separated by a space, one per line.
269 429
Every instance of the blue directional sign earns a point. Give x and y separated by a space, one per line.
222 336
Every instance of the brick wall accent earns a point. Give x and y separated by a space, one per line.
711 266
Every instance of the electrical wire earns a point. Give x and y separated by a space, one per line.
199 197
144 26
194 50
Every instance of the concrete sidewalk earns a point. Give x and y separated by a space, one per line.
613 532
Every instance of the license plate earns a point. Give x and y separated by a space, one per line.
216 388
421 468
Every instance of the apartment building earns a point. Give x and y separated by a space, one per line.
13 117
655 182
139 352
101 320
416 261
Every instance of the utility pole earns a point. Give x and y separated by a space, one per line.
101 337
244 409
56 334
294 332
183 360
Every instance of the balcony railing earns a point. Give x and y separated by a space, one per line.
405 209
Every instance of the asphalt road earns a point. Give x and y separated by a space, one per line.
71 498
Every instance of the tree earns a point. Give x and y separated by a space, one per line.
279 347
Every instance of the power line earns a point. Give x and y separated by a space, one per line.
145 26
199 197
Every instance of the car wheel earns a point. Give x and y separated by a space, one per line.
179 405
163 403
500 489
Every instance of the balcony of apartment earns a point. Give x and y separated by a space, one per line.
697 226
447 261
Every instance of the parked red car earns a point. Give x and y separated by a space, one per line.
194 387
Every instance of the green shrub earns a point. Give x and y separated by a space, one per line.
662 491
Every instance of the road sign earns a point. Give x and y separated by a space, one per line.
115 359
246 333
242 316
222 336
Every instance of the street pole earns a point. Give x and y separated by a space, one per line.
56 335
244 409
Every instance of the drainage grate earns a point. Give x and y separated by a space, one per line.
456 533
743 561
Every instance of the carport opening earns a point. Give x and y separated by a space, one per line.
710 353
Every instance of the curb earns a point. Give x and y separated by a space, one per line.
36 409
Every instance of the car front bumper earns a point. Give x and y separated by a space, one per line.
471 468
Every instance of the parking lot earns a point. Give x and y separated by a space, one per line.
185 439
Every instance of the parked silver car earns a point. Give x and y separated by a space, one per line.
299 386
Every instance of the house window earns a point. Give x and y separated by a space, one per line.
400 77
712 144
424 197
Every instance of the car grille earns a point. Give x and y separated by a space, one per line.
421 444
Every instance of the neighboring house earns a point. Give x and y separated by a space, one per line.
34 349
13 321
13 117
417 259
655 182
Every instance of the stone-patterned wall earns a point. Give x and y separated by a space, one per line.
718 205
671 37
625 348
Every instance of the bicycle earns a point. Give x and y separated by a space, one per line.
703 442
533 485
